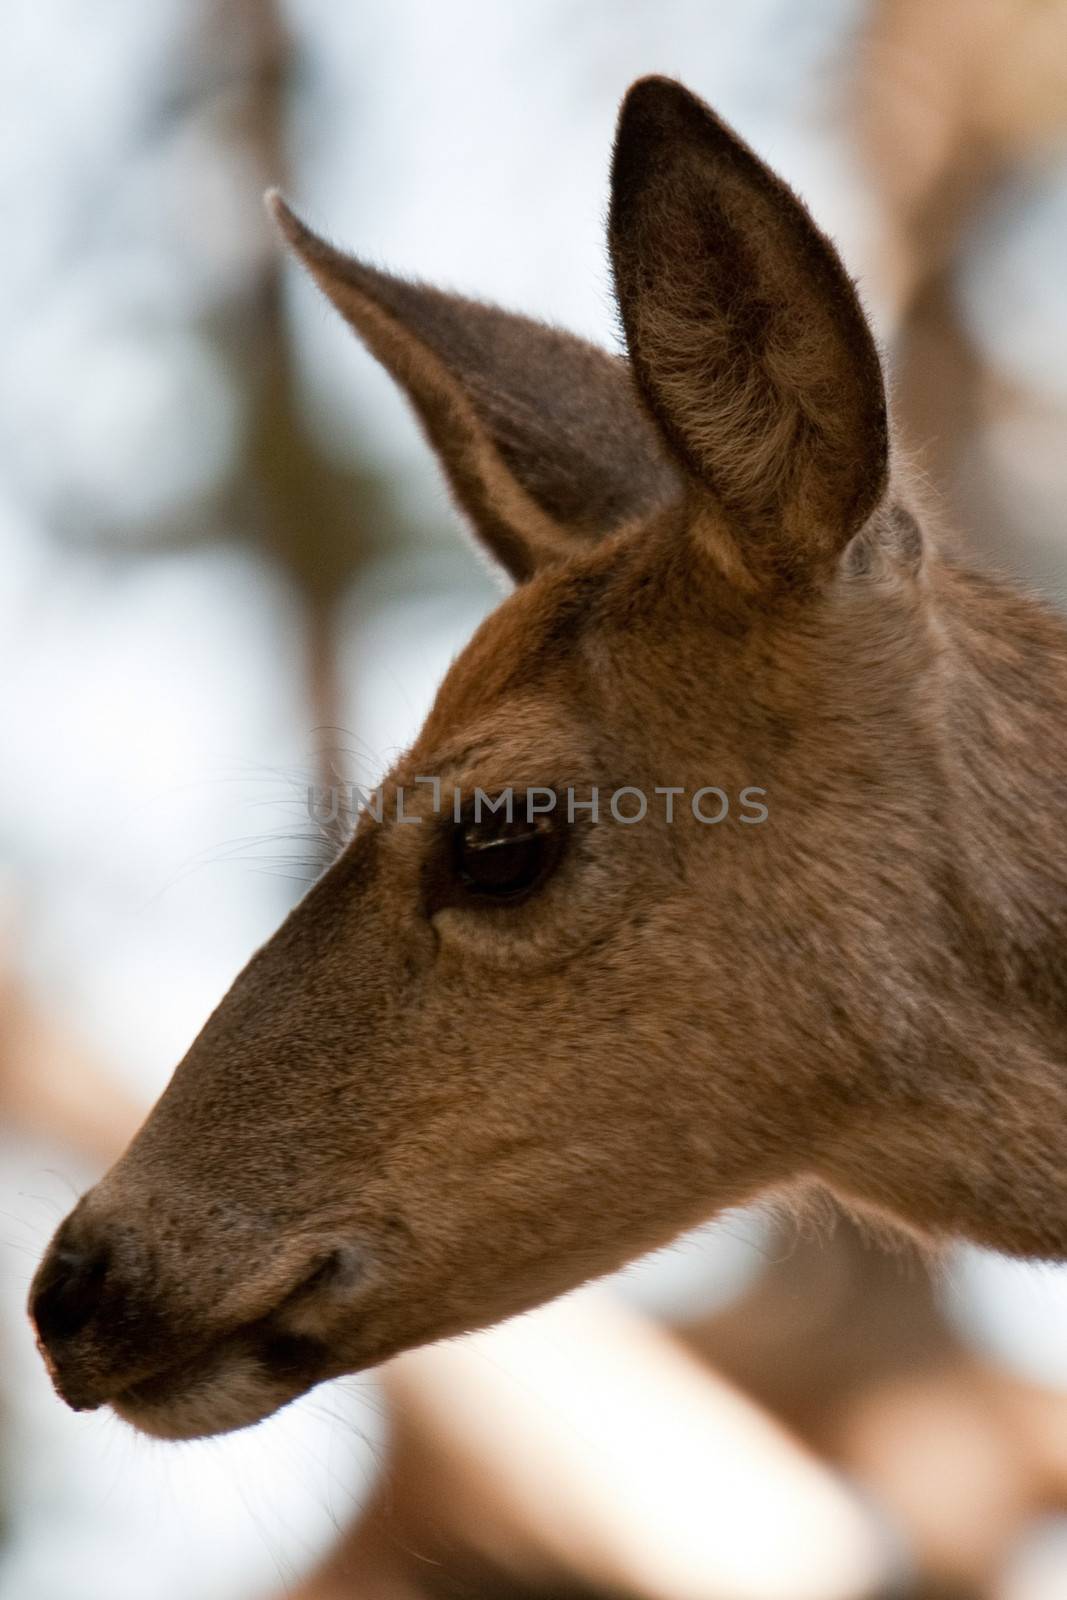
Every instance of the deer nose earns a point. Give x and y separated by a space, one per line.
81 1304
68 1289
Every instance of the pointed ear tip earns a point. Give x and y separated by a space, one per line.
293 228
662 109
317 253
285 219
654 85
656 98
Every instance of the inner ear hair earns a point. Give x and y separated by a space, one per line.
543 439
746 334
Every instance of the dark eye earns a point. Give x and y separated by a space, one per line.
500 860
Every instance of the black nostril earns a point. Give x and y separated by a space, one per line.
340 1268
68 1291
327 1270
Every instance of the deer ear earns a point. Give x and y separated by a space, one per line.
746 335
543 438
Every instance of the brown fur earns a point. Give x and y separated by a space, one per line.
745 333
410 1116
532 464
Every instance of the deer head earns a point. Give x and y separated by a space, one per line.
484 1060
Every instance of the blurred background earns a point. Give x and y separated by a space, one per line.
228 570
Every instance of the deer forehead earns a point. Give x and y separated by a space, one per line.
530 646
568 652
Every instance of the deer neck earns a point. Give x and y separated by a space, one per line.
1004 759
970 1135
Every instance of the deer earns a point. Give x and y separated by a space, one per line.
487 1057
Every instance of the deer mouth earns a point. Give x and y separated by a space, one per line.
245 1375
234 1382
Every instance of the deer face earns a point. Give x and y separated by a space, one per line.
484 1060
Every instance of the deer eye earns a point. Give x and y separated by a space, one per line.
500 860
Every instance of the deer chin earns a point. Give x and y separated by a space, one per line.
243 1379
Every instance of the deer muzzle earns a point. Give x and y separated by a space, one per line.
113 1328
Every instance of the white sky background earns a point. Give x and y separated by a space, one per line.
151 715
